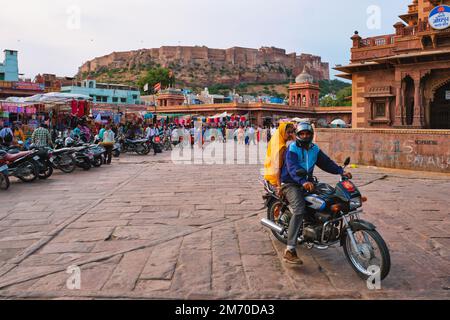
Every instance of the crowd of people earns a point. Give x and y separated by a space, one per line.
86 130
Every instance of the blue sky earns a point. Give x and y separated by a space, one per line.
59 36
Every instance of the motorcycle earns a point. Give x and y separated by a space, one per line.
43 163
116 149
138 145
63 159
84 157
157 143
166 142
332 217
21 165
4 180
99 155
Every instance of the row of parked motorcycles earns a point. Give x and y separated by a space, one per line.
31 162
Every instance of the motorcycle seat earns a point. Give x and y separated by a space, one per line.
13 157
136 141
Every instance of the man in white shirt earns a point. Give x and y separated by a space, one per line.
251 135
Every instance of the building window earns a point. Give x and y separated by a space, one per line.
105 99
123 100
134 96
115 99
98 99
380 110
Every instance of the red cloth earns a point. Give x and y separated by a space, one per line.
81 105
74 105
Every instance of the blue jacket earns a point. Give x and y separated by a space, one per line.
297 158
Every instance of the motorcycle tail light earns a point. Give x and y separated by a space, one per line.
336 208
157 139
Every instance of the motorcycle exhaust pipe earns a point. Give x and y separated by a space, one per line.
271 225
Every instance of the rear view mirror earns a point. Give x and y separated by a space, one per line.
301 173
347 162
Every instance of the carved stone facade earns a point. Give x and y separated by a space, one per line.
402 80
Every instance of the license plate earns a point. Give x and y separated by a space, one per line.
3 168
36 158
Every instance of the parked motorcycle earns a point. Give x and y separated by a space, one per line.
99 155
117 149
44 165
63 159
139 146
333 216
4 180
157 143
21 165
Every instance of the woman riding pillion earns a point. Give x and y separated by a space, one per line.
276 152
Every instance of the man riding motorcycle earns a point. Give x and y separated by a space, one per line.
303 154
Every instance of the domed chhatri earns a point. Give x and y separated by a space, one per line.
304 77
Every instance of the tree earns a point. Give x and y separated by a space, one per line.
157 75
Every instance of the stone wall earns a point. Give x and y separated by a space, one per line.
425 150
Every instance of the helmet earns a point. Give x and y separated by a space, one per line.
304 126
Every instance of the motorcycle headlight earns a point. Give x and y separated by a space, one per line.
355 203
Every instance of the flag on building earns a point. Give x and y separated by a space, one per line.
146 87
157 87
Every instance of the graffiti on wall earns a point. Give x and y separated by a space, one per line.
380 150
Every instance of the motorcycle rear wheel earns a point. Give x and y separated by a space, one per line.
361 267
4 181
142 149
27 171
66 164
97 162
46 173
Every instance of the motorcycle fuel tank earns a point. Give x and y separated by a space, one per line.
316 203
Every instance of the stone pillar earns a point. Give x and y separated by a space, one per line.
417 120
398 121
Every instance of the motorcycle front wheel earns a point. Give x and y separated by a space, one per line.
372 254
4 181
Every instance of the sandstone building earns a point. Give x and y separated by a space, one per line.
402 80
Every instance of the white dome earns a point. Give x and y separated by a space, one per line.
304 77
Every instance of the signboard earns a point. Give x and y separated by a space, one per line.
447 95
28 86
439 18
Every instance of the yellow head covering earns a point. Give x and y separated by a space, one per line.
275 151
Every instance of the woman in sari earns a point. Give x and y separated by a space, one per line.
275 153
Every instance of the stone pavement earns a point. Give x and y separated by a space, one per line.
147 228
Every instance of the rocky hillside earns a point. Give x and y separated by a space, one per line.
202 66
